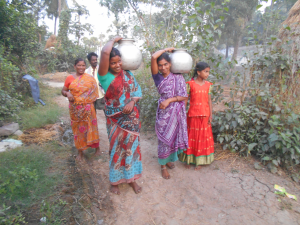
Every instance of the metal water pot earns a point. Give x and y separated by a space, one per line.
131 56
181 61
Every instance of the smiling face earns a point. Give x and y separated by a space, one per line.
115 65
93 61
204 73
164 67
80 67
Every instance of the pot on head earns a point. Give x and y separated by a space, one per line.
181 61
131 56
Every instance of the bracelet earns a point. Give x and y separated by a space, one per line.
134 101
177 98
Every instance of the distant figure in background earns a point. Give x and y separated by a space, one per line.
82 91
92 70
51 42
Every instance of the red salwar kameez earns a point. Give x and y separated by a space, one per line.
201 142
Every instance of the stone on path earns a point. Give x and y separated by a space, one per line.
9 129
18 133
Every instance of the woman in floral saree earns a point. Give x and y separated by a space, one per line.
170 126
81 91
122 112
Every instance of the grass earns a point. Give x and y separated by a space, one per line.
29 174
36 115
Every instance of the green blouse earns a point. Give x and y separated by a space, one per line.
106 80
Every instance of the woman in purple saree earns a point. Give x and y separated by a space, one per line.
170 126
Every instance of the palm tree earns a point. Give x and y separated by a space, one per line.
54 8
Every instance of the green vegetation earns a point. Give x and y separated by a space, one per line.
27 176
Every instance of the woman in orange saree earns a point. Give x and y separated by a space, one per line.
81 91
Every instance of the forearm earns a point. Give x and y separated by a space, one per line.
178 99
108 47
210 106
64 93
157 54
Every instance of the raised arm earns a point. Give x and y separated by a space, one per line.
154 66
104 60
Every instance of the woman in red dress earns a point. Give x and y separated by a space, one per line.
201 142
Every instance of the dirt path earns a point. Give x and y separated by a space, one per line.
217 194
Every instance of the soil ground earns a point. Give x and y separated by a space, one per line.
229 191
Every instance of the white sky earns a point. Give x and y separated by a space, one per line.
99 17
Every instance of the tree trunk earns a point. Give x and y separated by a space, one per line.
227 48
236 47
59 7
55 20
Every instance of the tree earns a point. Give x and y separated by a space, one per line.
54 9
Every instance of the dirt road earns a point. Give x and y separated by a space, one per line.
217 194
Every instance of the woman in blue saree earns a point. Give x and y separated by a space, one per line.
122 93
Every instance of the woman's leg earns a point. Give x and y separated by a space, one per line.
137 189
164 172
97 152
79 156
115 189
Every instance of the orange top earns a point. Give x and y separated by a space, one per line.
68 81
198 98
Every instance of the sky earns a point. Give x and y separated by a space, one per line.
99 18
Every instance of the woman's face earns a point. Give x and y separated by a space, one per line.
164 67
115 64
80 67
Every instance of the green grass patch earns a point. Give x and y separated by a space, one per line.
36 115
25 175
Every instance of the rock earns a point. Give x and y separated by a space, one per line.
43 220
272 168
9 129
100 222
295 178
257 166
18 133
9 144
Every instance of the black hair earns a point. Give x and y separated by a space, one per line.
89 56
199 67
79 60
164 56
114 52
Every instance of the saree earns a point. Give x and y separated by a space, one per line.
82 112
125 165
171 125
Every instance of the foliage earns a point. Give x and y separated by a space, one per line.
262 116
53 211
8 218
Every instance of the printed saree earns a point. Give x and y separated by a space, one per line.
171 126
123 129
82 112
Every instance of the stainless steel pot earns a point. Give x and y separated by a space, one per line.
181 61
131 56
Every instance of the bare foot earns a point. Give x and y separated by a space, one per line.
79 156
187 166
164 172
171 165
137 189
197 167
114 189
97 152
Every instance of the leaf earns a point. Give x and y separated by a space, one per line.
258 7
266 158
275 162
251 146
226 9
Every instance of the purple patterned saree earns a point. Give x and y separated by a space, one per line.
171 126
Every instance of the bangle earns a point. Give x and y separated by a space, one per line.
134 101
177 98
